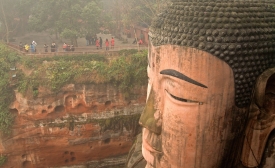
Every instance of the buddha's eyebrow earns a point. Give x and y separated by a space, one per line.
179 75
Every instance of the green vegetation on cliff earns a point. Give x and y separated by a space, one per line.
3 159
7 62
127 71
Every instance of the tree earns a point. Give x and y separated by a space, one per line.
140 11
12 12
68 18
91 11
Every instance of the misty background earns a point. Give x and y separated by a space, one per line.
74 19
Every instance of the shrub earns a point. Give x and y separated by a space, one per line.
7 61
126 72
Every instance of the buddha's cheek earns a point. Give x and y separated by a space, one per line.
179 134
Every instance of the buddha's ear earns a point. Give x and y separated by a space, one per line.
260 89
260 123
260 86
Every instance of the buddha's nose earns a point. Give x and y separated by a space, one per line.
147 118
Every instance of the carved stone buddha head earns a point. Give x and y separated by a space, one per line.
203 61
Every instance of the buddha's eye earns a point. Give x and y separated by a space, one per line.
177 98
182 99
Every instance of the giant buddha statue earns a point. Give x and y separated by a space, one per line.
210 100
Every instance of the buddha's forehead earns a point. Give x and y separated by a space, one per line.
239 33
182 58
197 64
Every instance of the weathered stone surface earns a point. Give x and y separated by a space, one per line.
240 33
80 125
258 148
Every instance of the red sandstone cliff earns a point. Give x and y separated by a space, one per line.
80 125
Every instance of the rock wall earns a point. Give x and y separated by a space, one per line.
81 125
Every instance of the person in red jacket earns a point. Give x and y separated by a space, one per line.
64 47
97 43
112 43
140 42
107 44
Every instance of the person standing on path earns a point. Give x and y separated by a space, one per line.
112 43
53 47
88 36
34 45
32 48
140 42
46 47
72 47
97 44
64 47
27 47
100 42
92 40
107 44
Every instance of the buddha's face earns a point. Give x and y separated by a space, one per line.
187 119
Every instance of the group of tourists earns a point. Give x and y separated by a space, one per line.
98 43
26 47
32 47
90 40
53 47
66 47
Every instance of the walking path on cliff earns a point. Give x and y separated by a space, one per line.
45 38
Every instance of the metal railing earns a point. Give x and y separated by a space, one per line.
78 50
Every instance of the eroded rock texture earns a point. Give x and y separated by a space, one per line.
80 125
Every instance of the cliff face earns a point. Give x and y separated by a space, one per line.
80 125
